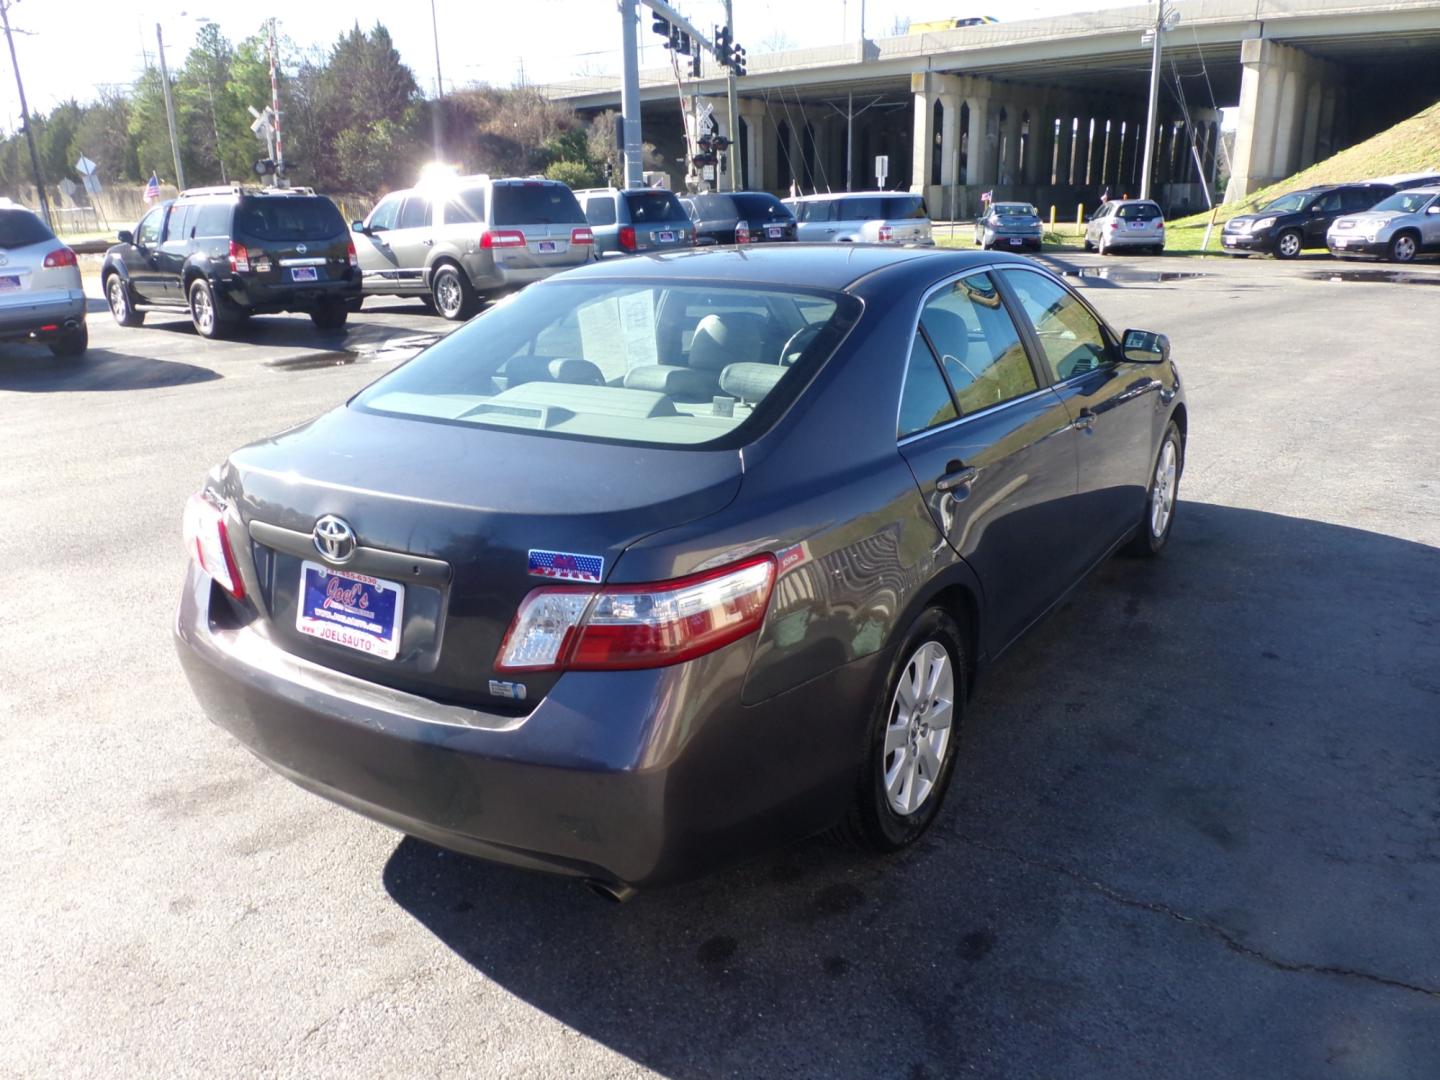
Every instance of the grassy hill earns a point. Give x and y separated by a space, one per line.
1410 146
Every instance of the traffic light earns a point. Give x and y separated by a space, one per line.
737 60
722 45
661 25
680 41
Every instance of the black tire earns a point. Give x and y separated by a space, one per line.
1404 246
1146 542
211 320
354 304
1088 245
872 823
72 343
330 316
117 292
452 293
1289 244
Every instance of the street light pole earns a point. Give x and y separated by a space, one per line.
737 182
438 114
25 116
1152 107
631 148
170 110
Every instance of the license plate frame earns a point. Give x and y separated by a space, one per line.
301 275
546 247
350 609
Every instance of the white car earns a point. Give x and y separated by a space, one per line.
863 217
41 296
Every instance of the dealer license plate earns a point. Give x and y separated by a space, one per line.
545 246
1016 241
302 273
9 281
354 610
1229 241
665 237
1139 224
1339 241
774 232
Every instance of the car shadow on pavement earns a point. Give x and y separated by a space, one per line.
32 369
1193 831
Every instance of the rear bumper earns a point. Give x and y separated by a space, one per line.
633 777
263 297
493 276
1128 239
22 319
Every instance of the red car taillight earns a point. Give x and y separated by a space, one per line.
619 627
239 258
1114 225
60 257
627 237
354 260
581 236
887 233
500 238
742 232
209 543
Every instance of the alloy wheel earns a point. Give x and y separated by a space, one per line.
1162 494
917 735
202 309
119 305
1403 250
1289 245
448 297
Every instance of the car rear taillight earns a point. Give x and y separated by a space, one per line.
1160 224
208 542
620 627
60 257
627 237
886 234
354 259
742 232
581 236
239 258
500 238
1113 225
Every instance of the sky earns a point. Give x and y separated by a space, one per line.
77 48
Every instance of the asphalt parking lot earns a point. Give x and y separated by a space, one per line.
1194 832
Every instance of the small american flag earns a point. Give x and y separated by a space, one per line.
152 188
987 196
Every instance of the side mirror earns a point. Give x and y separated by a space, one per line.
125 236
358 226
1145 347
1433 209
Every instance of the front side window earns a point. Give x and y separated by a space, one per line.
383 216
977 343
629 361
1071 338
1328 203
148 231
415 214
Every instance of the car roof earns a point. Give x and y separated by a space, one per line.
1405 178
820 196
834 267
1423 189
1133 202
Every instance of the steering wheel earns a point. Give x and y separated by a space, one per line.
798 343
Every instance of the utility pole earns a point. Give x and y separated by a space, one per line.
1153 106
438 115
170 110
275 107
25 116
737 182
630 97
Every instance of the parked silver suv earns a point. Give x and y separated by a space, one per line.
1398 228
453 240
870 217
41 297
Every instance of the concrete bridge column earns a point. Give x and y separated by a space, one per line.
984 144
1113 152
1010 147
760 172
949 139
1273 102
1065 147
923 144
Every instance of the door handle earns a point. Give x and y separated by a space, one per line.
1085 421
957 477
427 242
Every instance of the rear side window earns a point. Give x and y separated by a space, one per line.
763 208
631 361
904 206
978 344
651 207
20 227
925 402
600 210
415 214
536 204
213 220
1138 212
1070 336
1356 199
286 217
467 206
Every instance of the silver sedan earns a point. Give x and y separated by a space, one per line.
1008 225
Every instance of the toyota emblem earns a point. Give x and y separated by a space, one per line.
334 539
300 249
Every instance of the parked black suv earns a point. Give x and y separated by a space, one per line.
227 253
1286 226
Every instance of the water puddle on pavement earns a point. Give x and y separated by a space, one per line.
389 351
1126 275
1393 277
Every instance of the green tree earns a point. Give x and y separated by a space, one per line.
577 174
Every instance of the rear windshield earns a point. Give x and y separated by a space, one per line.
1014 209
649 207
19 228
713 207
765 208
288 217
1138 212
536 204
686 364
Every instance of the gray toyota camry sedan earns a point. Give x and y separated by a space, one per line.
668 559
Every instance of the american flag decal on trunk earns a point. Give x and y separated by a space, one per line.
566 566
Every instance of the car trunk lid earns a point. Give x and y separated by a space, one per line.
472 519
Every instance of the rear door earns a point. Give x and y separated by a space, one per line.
992 451
1112 402
547 214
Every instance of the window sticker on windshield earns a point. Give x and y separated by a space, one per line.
618 333
566 566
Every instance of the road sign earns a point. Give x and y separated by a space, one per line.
67 187
882 168
85 167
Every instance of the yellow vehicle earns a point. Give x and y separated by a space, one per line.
936 25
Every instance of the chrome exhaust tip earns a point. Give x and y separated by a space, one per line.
613 891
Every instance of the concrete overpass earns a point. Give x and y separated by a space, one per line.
1052 110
